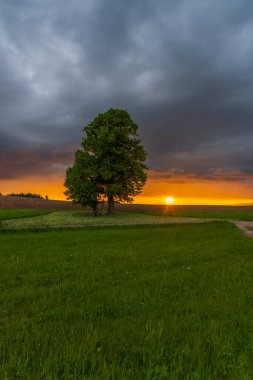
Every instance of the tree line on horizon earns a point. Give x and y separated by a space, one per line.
25 195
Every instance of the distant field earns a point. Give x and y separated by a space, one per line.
220 212
11 203
216 212
154 302
181 208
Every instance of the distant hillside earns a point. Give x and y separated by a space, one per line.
34 203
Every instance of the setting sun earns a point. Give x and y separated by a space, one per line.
170 200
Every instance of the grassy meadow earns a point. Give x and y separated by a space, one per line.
165 301
75 219
217 214
15 214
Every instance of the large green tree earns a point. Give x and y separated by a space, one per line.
111 163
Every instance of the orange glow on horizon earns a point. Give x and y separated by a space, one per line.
187 192
195 201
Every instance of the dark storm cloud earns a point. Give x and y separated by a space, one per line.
34 160
181 68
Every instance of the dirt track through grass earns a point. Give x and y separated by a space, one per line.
245 227
42 219
77 219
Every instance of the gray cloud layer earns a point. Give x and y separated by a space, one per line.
181 68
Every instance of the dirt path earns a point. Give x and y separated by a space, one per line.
245 227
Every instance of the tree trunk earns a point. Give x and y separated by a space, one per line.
110 205
102 207
95 209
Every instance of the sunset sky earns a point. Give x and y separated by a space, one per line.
182 69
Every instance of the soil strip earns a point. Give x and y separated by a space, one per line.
245 227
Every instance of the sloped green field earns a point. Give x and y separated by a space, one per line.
14 214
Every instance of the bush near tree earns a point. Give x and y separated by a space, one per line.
110 164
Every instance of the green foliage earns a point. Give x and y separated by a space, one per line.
81 182
163 302
110 163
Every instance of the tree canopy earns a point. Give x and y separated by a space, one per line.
111 163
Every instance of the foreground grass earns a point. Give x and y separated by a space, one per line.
73 219
14 214
160 302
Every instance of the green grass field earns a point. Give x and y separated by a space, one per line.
128 302
235 215
15 214
74 219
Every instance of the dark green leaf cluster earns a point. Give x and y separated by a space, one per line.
111 162
26 195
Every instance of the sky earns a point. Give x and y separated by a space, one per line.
181 68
